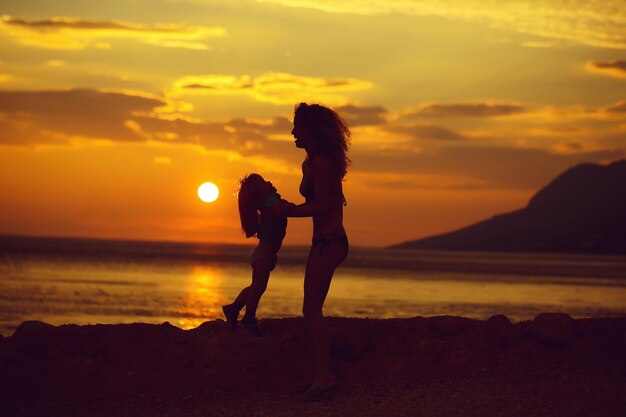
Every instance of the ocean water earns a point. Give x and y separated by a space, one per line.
84 281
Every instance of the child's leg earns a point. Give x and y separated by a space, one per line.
260 276
241 299
263 259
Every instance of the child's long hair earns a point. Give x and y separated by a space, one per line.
249 197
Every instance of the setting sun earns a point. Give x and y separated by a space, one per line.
208 192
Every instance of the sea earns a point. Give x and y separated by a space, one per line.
90 281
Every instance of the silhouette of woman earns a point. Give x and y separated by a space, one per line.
323 134
255 198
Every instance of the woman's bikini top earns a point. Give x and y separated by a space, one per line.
308 190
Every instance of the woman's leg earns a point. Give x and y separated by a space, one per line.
319 272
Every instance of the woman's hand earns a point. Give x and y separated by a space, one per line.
282 209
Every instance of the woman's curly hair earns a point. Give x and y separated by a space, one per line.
329 130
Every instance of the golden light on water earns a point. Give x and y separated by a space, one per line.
205 297
208 192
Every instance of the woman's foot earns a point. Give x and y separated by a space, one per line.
231 313
252 325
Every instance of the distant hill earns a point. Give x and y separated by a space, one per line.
583 210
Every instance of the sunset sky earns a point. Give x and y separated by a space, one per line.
112 113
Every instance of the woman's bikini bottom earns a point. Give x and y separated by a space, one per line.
324 240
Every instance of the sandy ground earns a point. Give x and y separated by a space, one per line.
437 366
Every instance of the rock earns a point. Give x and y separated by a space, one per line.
449 327
499 321
209 327
500 331
35 338
553 329
33 329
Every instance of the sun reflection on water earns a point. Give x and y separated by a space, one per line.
204 297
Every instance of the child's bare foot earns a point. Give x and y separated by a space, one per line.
252 325
231 314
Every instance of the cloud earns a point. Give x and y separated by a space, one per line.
568 147
363 115
275 126
238 139
57 116
73 33
420 132
55 63
70 116
595 23
536 44
615 69
487 109
417 181
247 137
29 118
180 130
497 167
273 87
616 109
546 116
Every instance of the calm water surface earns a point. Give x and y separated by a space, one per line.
86 282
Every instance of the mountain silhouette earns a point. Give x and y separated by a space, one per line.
583 210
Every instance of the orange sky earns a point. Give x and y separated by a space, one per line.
112 116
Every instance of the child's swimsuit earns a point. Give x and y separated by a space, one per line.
271 229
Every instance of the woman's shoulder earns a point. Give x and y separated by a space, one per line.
321 161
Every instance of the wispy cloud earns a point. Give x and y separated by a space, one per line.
489 166
59 115
596 23
73 33
70 116
273 87
487 109
618 108
29 118
247 137
363 115
537 44
420 132
418 181
615 69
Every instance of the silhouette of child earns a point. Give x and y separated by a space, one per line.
256 197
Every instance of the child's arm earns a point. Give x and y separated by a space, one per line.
282 209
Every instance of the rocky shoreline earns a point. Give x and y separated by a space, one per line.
435 366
